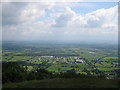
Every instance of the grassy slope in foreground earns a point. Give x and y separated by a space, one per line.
65 83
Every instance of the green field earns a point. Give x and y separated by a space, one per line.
95 59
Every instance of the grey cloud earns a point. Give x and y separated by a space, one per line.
93 23
11 13
61 21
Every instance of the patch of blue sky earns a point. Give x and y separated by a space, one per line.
48 11
87 7
46 18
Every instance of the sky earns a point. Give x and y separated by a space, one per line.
60 21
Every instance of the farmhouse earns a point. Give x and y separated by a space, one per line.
79 61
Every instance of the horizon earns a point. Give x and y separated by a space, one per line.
64 42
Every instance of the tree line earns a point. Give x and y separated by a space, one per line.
13 72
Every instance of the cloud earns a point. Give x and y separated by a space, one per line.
102 16
11 13
99 24
99 21
96 19
64 18
17 13
39 21
61 21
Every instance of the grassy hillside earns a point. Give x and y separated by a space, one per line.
65 83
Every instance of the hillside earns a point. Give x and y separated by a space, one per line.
65 83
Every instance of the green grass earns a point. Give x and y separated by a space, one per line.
53 68
6 58
110 59
7 52
65 83
106 69
103 65
16 58
29 68
82 65
65 68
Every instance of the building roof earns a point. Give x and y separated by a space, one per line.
79 60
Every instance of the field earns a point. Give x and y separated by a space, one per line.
57 57
59 65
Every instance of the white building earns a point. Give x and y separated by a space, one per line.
47 56
79 61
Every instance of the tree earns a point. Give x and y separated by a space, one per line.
12 72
